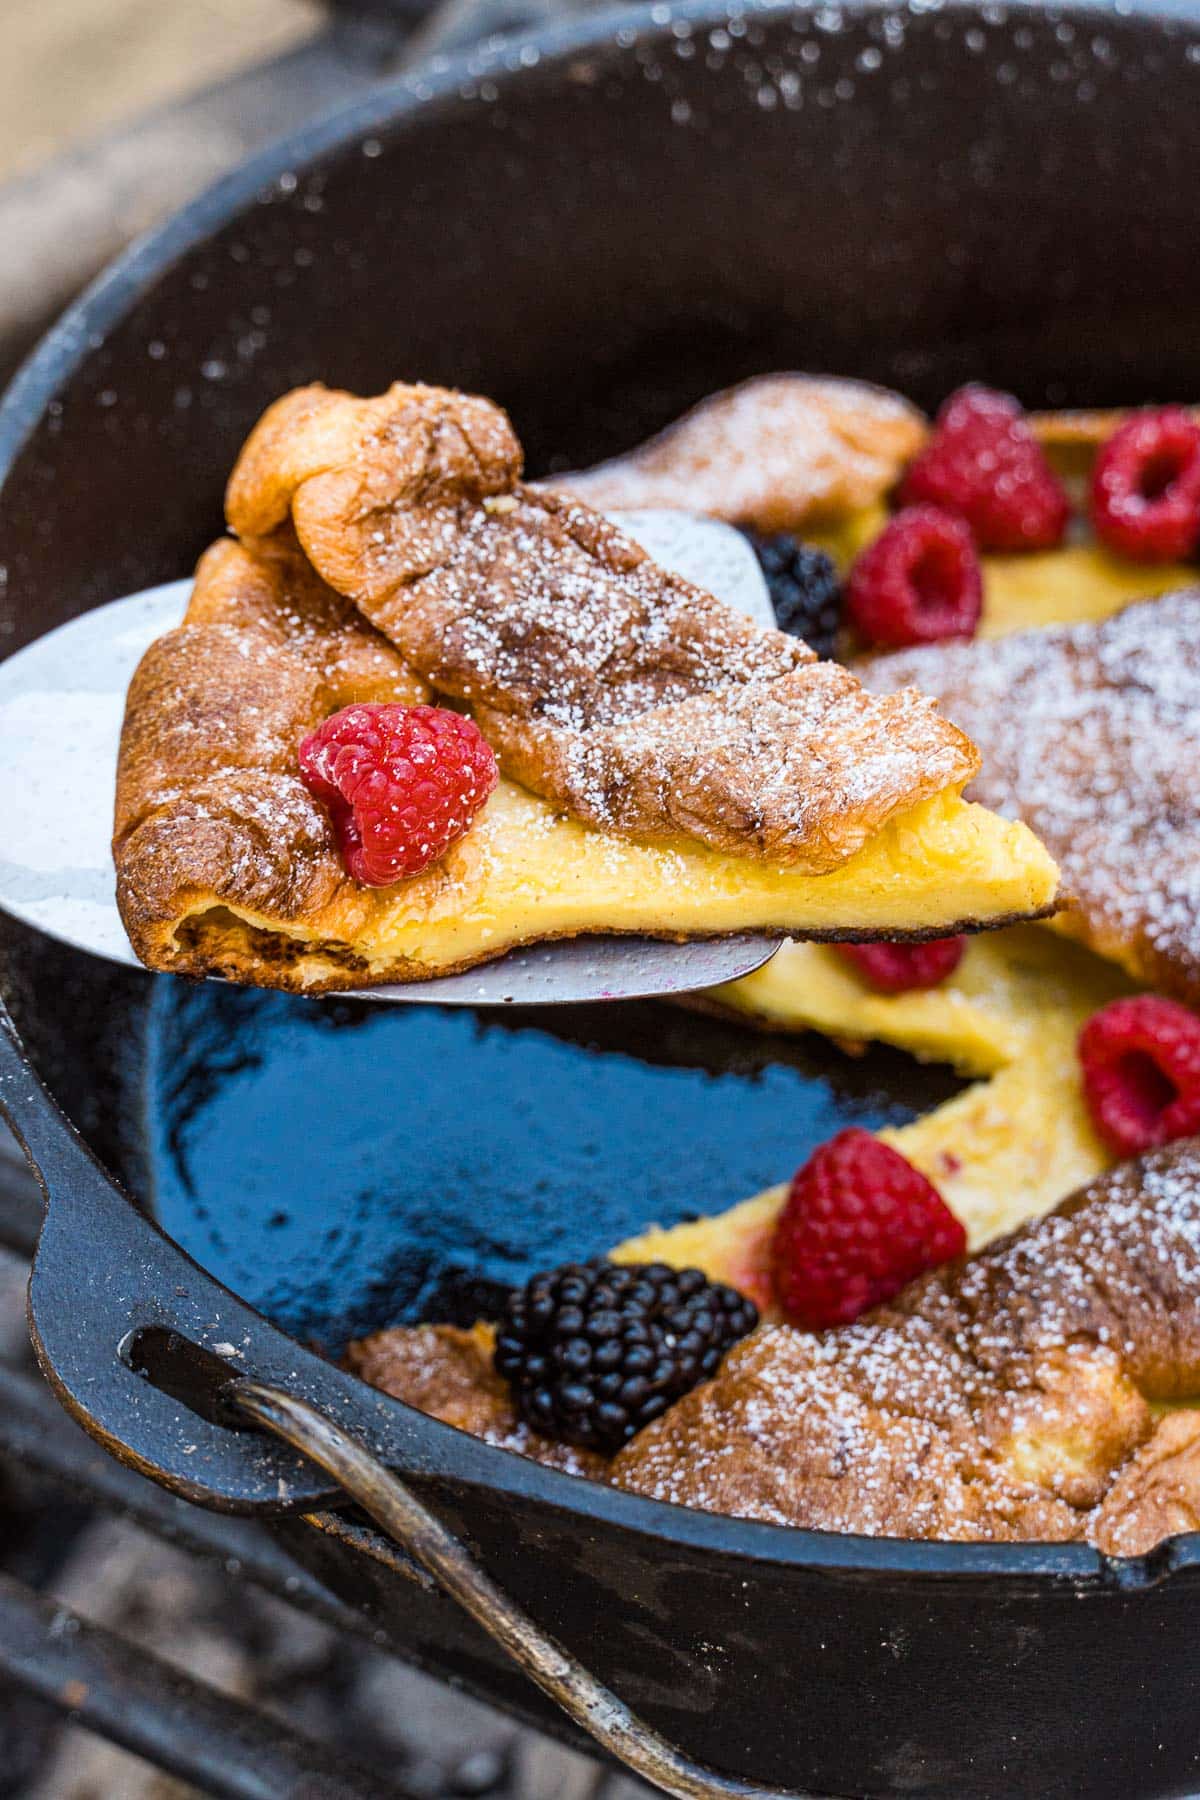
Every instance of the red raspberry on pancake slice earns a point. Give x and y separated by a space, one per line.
402 784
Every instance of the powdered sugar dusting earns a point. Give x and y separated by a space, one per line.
1091 735
645 706
1006 1397
997 1399
634 700
768 453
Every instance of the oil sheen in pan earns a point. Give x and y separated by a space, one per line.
344 1167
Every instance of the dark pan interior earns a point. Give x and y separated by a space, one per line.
344 1166
596 241
415 1159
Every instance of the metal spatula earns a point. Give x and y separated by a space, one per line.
61 704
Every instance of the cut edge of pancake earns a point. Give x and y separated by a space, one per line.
212 934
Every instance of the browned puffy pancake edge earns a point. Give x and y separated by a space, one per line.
388 546
1091 734
1017 1395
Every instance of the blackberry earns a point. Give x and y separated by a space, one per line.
804 588
593 1351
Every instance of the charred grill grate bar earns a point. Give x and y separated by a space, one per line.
118 1689
185 1727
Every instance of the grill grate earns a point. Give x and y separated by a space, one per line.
132 1697
184 1726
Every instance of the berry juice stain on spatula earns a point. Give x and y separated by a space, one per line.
62 700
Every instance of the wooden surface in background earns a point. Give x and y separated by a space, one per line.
72 67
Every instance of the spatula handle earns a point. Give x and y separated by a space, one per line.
410 1523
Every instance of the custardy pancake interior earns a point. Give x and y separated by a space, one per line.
980 1018
1003 1151
1074 585
527 872
1080 581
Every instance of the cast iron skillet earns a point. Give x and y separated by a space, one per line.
596 229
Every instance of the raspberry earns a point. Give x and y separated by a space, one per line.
984 465
594 1351
919 581
804 587
859 1224
1146 487
1141 1072
899 968
402 783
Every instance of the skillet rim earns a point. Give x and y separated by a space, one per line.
82 329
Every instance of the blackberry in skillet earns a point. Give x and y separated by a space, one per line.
593 1351
804 588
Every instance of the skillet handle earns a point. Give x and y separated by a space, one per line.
395 1507
135 1339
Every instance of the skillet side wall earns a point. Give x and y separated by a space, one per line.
836 1682
618 231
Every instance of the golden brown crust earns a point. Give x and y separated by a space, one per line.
270 586
1157 1494
1082 428
1091 735
210 809
448 1373
777 453
785 1438
997 1398
610 687
1009 1396
414 444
